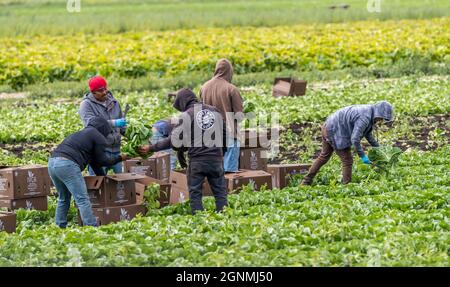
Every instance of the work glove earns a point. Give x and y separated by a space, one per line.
365 159
120 123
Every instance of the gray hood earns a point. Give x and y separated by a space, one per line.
383 110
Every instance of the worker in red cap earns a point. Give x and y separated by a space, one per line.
99 102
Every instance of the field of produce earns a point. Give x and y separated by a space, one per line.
395 218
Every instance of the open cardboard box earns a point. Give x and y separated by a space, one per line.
288 86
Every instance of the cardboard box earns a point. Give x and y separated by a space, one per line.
8 221
32 203
288 86
281 172
257 178
156 166
253 159
24 182
112 190
165 190
180 190
106 215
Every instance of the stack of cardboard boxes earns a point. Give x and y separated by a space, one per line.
24 187
254 147
233 181
113 197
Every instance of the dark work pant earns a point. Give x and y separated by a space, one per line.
213 171
345 156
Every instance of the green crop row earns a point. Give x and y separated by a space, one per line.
401 219
50 120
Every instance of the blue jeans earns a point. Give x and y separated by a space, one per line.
117 168
231 157
157 136
69 181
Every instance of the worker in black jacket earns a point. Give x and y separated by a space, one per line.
202 131
70 158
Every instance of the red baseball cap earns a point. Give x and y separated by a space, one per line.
96 83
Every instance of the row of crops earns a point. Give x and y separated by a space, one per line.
393 220
26 60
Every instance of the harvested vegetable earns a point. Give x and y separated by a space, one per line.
384 157
137 134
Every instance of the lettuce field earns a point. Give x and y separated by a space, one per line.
397 218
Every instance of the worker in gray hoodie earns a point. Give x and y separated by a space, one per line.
344 128
99 102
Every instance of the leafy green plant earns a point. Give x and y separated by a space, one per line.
152 195
384 157
136 135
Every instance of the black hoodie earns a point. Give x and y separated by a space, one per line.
88 146
206 119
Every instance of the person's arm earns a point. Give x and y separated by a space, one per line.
167 142
200 94
372 141
224 138
181 158
123 129
99 157
98 170
237 103
86 112
357 134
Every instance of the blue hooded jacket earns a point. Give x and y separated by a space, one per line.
347 126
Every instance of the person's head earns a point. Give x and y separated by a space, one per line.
98 88
101 125
224 70
184 100
383 113
163 127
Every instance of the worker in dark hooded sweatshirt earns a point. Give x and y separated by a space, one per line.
221 94
70 158
344 128
201 130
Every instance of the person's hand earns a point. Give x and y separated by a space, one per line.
365 159
124 156
144 149
120 123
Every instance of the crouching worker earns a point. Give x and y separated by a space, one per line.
344 128
161 130
70 158
202 131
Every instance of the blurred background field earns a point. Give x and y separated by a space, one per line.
50 17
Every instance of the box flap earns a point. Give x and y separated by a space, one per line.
94 182
149 180
247 173
125 176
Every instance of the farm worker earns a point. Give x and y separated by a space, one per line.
221 94
344 128
70 158
161 130
201 130
99 102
